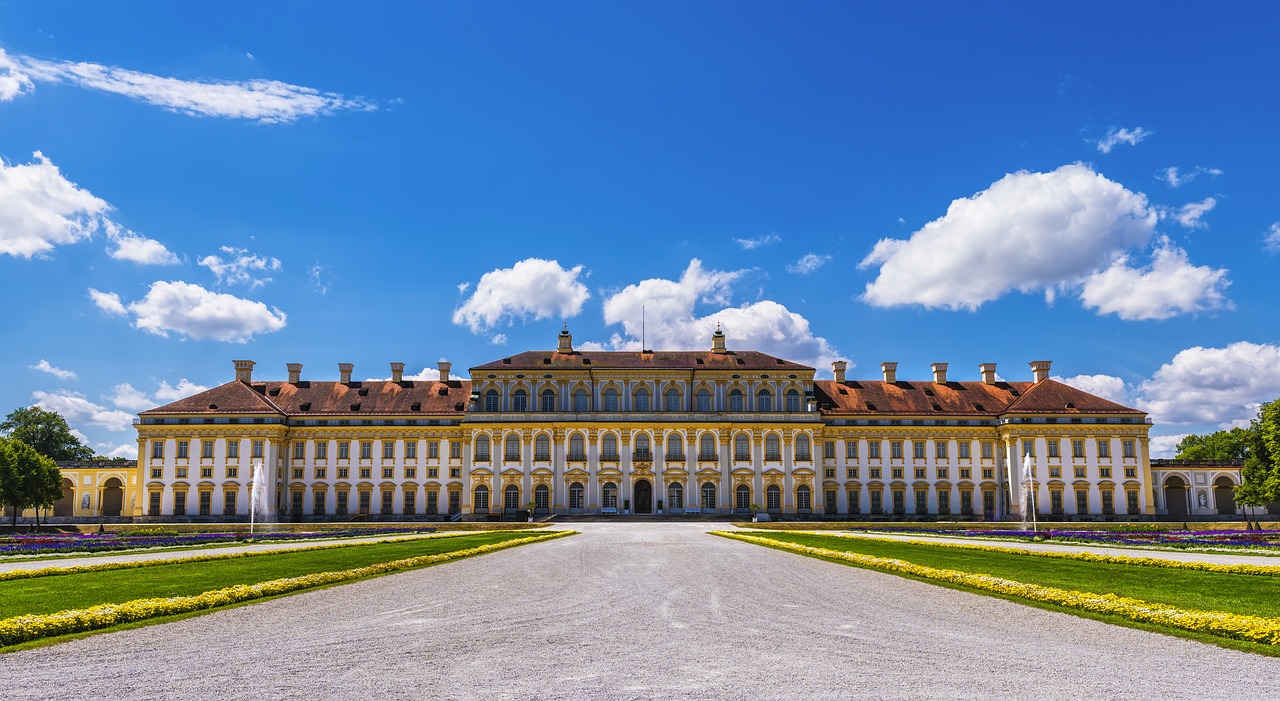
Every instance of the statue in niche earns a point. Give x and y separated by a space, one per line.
84 502
1203 500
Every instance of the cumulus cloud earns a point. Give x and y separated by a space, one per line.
191 311
748 244
1105 386
108 302
1272 240
1165 446
672 320
126 396
77 410
808 263
1169 286
137 248
424 375
499 339
40 209
533 287
171 393
44 366
1174 178
240 266
129 451
1190 214
1027 232
1120 135
1212 385
264 101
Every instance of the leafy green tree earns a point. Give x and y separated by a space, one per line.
1219 445
46 431
27 478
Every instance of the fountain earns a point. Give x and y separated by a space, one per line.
257 495
1028 494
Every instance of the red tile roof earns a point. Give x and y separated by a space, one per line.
959 398
539 361
326 398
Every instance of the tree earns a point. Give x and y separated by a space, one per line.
27 478
46 431
1219 445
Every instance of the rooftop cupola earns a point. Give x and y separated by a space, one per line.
295 373
444 366
988 371
344 372
244 370
717 340
890 371
939 373
1040 369
837 369
397 373
566 341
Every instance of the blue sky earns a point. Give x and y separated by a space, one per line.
314 183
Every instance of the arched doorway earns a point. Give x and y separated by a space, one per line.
742 498
643 497
480 502
1175 497
576 498
67 504
541 499
773 499
675 498
112 497
1225 496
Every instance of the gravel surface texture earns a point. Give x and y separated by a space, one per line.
635 611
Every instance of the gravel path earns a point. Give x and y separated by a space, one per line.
635 611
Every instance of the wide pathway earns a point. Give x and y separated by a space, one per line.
636 611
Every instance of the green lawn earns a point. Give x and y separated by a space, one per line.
75 591
1186 589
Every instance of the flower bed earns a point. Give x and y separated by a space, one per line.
21 629
39 544
1254 629
1180 540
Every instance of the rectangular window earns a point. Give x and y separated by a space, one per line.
299 450
206 449
922 501
873 450
366 473
182 472
852 473
180 503
877 501
344 451
854 497
366 502
387 502
321 472
1082 501
1104 448
153 508
228 503
988 473
157 450
1029 447
919 473
388 472
322 450
433 450
1055 471
411 450
388 450
944 501
410 472
966 473
875 473
410 502
1130 472
1104 472
899 501
317 503
233 449
433 472
206 472
966 502
157 473
1108 503
1077 448
1132 499
455 472
341 506
1127 447
1081 472
232 472
455 452
829 472
917 450
987 451
1055 502
897 473
343 473
851 449
895 449
944 473
433 502
366 450
940 450
964 450
829 450
206 503
297 472
1053 448
257 449
182 450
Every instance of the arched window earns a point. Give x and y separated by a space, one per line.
773 499
804 499
673 399
548 400
611 399
610 448
675 447
580 400
511 497
519 402
742 498
542 447
802 447
609 496
575 495
771 449
793 400
541 499
764 401
675 496
708 496
491 400
482 448
642 400
642 447
741 447
480 504
511 451
577 448
707 447
735 400
704 400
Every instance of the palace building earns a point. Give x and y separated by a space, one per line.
649 432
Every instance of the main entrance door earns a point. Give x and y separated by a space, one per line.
1175 497
643 497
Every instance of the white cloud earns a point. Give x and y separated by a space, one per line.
126 396
1166 446
1174 178
44 366
499 339
1169 286
78 410
808 263
264 101
1105 386
194 312
463 287
748 244
1029 232
108 302
129 451
1272 240
172 393
321 278
40 209
137 248
1121 135
425 375
240 267
79 435
672 323
531 288
1212 385
1189 214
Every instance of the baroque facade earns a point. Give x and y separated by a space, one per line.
648 432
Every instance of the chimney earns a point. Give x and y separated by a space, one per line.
344 373
890 371
939 373
566 341
444 370
397 372
1040 369
295 373
244 370
988 371
837 369
717 340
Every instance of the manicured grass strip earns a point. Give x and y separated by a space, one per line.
1254 570
1180 588
33 627
1253 629
187 578
135 564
